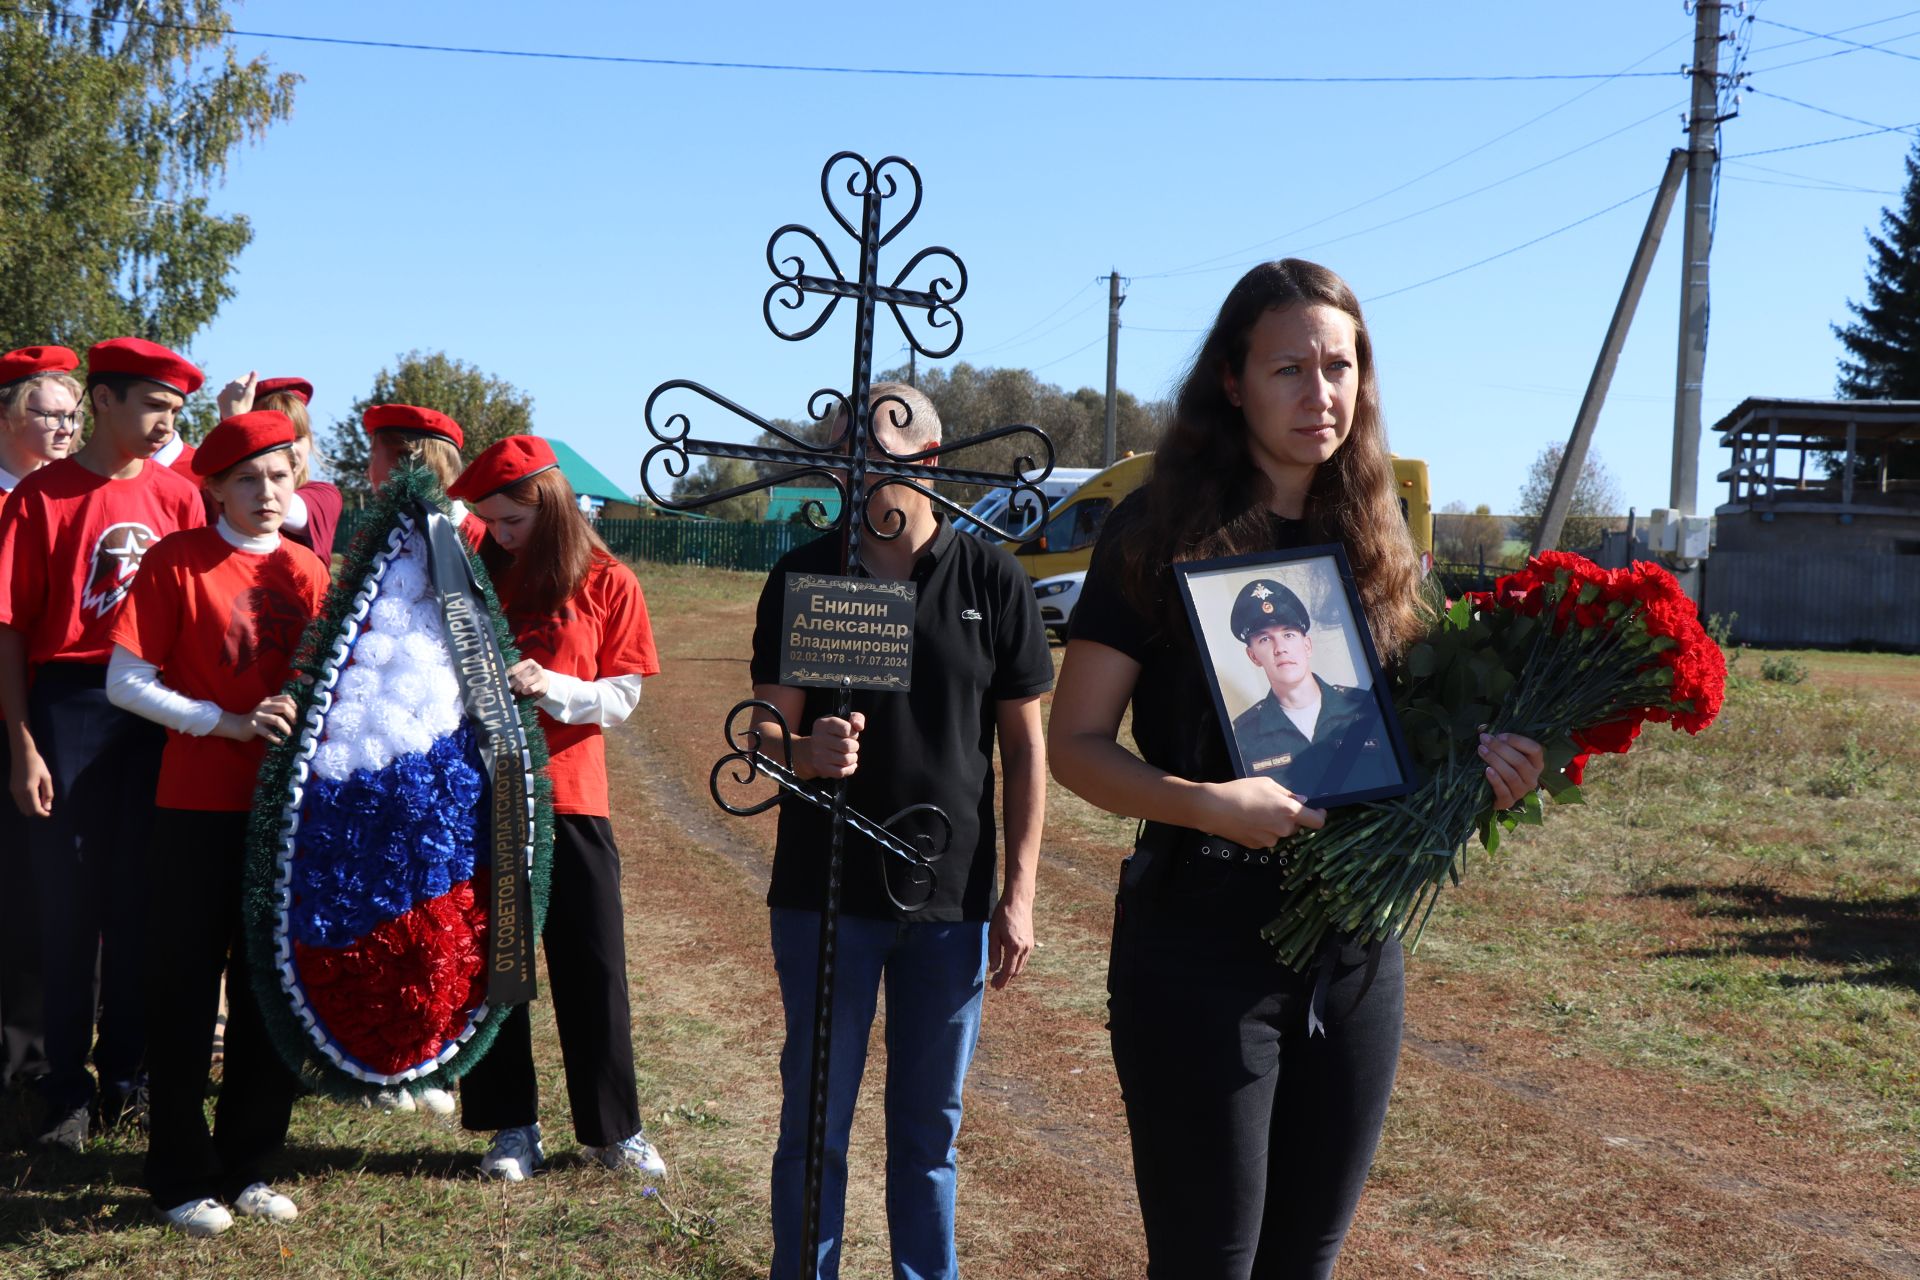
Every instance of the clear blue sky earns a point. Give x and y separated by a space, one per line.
587 230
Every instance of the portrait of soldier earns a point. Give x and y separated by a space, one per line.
1314 738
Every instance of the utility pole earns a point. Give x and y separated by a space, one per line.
1696 247
1560 498
1114 299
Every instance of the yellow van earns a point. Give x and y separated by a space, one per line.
1065 544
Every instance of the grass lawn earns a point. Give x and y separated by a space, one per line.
1675 1033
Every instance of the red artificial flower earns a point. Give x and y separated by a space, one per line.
1576 769
394 998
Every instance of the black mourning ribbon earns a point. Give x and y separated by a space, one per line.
504 759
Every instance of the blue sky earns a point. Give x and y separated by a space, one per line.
589 230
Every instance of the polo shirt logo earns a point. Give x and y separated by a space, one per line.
969 615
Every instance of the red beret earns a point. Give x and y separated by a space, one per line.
299 388
501 466
139 358
27 362
409 417
243 436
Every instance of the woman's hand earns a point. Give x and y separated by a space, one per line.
1514 766
272 720
237 396
528 679
832 750
1256 812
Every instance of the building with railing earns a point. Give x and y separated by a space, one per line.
1830 558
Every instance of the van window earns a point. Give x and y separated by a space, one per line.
1077 526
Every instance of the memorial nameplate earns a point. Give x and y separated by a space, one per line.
847 633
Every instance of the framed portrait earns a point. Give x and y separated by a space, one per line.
1295 679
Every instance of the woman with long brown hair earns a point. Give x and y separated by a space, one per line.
580 622
1251 1137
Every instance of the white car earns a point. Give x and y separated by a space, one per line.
1057 596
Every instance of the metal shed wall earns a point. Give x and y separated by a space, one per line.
1824 599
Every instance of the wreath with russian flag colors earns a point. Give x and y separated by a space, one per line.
366 905
1574 656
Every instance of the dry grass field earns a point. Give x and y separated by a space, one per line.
1673 1034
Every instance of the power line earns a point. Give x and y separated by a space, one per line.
710 64
1837 115
1825 142
1838 31
1035 368
1020 339
1834 36
1495 257
1835 183
1194 267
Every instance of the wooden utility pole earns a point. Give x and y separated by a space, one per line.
1114 298
1560 498
1696 247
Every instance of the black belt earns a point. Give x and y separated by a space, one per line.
1191 845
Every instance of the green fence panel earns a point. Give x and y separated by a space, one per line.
716 544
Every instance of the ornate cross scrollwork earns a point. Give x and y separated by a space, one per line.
856 464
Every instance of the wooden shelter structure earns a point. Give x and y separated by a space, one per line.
1831 559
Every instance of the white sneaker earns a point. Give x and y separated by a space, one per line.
438 1101
200 1218
392 1100
262 1201
632 1155
515 1154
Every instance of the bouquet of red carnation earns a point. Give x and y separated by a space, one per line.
1564 652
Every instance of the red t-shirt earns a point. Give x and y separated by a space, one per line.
473 529
183 465
222 625
70 545
602 631
323 517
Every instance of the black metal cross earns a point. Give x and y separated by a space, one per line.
857 464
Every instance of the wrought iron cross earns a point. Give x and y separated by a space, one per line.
857 464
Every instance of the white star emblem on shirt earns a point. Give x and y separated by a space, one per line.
128 553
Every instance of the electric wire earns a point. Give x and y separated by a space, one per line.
1527 244
1834 36
1838 115
711 64
1194 268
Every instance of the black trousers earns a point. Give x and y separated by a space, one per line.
586 949
89 877
23 1038
196 861
1251 1141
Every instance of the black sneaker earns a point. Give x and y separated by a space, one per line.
68 1131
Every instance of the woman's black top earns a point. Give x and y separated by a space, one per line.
1174 725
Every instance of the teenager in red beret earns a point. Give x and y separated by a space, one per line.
314 513
39 420
202 647
580 622
72 538
407 433
39 410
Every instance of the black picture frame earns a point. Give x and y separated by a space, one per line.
1361 752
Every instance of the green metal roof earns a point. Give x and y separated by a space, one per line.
584 476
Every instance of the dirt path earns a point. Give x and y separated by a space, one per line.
1503 1157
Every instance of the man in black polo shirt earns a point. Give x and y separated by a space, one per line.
980 664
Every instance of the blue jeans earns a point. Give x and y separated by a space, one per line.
935 976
